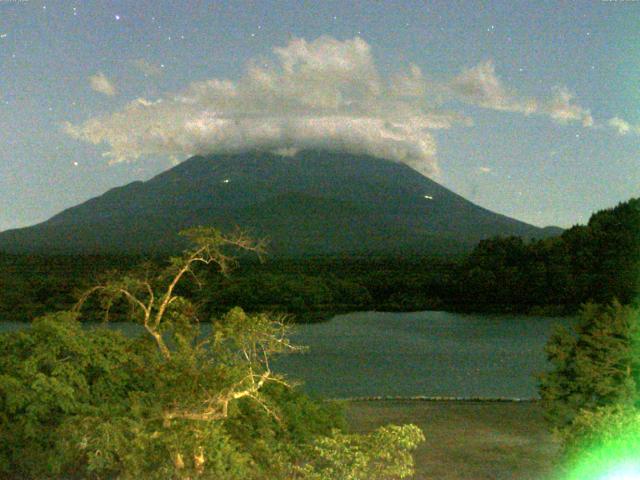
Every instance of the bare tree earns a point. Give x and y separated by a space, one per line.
251 339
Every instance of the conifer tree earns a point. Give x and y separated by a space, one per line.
594 364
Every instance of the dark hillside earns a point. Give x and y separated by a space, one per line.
313 203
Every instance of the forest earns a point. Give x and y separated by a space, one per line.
597 262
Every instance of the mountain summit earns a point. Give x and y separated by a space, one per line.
312 203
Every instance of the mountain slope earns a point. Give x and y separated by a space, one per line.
312 203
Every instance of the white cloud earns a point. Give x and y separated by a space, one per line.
325 94
481 86
101 84
561 108
410 84
622 126
320 94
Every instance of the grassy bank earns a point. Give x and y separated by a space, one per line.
468 440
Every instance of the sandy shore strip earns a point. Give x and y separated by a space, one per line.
467 439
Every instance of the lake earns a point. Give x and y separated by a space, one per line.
416 354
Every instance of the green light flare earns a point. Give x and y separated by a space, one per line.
615 454
612 468
626 471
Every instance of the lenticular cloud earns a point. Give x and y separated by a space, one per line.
323 94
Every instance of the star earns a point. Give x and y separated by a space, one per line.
75 164
117 17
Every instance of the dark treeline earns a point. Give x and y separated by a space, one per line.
310 289
596 262
31 285
317 288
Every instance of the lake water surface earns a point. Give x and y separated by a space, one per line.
416 354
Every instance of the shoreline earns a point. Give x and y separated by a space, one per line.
479 440
425 398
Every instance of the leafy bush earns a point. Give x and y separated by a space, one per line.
381 455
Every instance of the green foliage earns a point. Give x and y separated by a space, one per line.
383 455
90 403
595 364
50 375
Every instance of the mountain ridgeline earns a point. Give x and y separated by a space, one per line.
313 203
